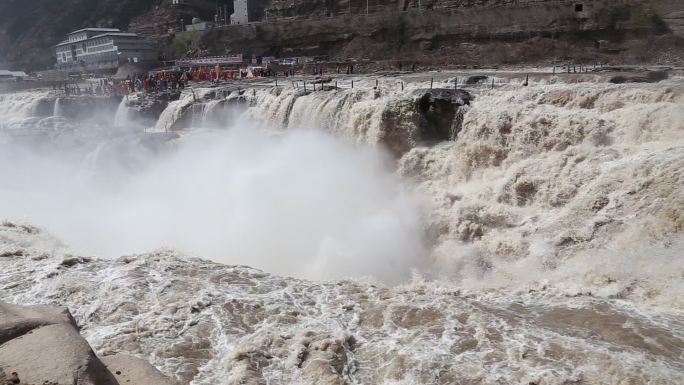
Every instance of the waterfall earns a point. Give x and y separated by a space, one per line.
21 108
372 116
58 109
458 121
555 219
175 109
121 119
385 116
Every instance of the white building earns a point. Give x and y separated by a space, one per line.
240 12
93 49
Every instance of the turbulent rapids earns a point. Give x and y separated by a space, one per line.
514 235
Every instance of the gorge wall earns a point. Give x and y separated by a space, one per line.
467 32
463 32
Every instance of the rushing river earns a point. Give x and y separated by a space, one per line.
542 245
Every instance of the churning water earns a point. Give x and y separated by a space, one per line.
543 245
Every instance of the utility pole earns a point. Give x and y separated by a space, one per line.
225 15
367 6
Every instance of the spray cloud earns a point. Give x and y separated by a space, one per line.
300 203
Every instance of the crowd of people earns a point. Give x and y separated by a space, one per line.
157 82
161 81
165 80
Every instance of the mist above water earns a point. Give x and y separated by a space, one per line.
302 203
554 230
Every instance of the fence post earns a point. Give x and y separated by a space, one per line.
431 81
304 85
456 83
352 84
376 83
492 83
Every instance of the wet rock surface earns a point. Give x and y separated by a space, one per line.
43 345
132 370
146 108
441 114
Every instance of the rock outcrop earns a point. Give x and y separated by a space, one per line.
43 345
441 114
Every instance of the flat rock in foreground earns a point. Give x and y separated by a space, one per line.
132 370
43 344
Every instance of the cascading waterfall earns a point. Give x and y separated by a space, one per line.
175 109
354 114
19 109
58 109
553 222
122 117
458 121
555 185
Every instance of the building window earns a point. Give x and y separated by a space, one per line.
579 7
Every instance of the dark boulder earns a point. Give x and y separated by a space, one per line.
647 77
441 112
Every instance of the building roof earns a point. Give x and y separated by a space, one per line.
16 74
122 34
96 30
115 34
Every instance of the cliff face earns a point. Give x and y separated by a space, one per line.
469 32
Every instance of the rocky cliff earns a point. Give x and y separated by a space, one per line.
433 32
465 32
